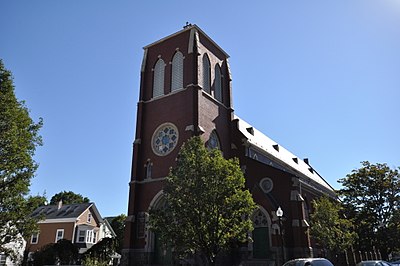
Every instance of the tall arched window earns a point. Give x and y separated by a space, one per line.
206 74
177 71
213 141
218 84
158 82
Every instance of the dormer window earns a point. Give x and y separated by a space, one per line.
177 71
206 74
158 80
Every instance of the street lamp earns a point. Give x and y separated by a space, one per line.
279 214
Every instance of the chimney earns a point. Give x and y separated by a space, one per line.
59 205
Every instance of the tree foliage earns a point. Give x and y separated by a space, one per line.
102 251
371 195
68 197
61 253
118 225
206 205
19 138
329 227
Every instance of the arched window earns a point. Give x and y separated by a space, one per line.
213 141
177 71
218 84
147 169
206 74
158 82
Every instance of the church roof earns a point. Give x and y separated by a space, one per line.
188 27
273 150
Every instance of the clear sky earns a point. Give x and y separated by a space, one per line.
322 78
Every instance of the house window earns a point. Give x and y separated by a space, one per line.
206 74
177 71
89 218
218 84
89 236
35 238
158 82
2 259
94 237
59 234
81 236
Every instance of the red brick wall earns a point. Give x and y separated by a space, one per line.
47 234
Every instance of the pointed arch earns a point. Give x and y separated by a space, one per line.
218 83
177 72
157 202
206 74
162 254
158 78
213 141
261 235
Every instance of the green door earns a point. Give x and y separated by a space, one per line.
260 243
162 254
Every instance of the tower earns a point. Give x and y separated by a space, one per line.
184 91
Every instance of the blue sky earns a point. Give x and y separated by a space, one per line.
322 78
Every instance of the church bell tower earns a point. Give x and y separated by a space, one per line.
185 91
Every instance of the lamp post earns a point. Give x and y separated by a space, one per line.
279 214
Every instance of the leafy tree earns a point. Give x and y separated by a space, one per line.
329 228
61 253
206 206
36 201
118 225
68 198
19 138
371 195
101 252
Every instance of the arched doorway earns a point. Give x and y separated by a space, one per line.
162 254
261 235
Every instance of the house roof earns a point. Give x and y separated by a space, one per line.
65 211
273 150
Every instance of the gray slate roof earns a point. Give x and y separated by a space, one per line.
66 211
266 146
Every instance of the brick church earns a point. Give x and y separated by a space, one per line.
185 91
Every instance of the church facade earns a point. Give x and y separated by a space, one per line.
185 91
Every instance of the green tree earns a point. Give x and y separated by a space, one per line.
34 202
68 197
206 205
101 253
329 227
19 137
118 225
64 252
371 195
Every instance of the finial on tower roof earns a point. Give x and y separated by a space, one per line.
187 25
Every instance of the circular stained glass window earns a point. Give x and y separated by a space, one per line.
266 185
164 139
